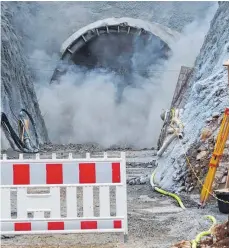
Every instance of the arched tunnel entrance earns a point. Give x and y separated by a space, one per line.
124 46
121 52
104 83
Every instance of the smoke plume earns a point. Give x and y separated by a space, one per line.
83 107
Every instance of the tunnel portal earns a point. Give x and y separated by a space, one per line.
124 46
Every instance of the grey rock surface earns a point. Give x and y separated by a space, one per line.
209 84
25 26
17 89
31 29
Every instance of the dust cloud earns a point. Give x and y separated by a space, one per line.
83 107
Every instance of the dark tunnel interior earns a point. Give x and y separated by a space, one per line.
130 56
122 53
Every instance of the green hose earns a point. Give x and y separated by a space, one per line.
204 233
200 235
166 192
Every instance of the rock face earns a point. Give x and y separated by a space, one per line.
34 22
206 96
17 90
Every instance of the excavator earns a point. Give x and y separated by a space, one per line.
26 139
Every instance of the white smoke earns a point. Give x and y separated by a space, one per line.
83 107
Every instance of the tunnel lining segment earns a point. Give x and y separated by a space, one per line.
110 26
116 25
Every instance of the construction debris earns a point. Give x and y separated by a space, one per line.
218 239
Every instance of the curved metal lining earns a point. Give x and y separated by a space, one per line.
128 26
165 34
91 34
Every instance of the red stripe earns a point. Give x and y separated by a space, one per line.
116 173
55 225
213 165
54 174
117 224
88 224
21 174
22 226
87 173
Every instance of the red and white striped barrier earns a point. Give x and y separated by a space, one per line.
78 178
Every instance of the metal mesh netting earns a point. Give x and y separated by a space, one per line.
17 90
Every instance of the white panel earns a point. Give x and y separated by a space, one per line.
55 202
70 173
105 224
72 225
39 225
104 201
103 172
35 202
37 173
22 203
6 173
124 190
5 203
7 227
120 201
38 214
88 210
71 201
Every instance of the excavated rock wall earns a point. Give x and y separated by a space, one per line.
32 25
205 98
17 89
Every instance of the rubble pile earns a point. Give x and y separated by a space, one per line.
200 154
218 239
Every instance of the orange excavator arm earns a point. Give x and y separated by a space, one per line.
215 159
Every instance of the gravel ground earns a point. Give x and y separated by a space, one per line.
155 221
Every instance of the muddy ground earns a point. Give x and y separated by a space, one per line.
154 220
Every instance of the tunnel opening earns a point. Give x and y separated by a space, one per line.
106 83
121 49
121 53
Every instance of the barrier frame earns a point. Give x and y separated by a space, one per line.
121 198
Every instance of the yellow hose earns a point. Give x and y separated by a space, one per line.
166 192
204 233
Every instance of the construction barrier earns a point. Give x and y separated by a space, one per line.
70 203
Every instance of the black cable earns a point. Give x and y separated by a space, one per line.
34 127
9 130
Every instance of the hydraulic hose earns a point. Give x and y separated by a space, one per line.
166 144
176 130
159 190
204 233
34 126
